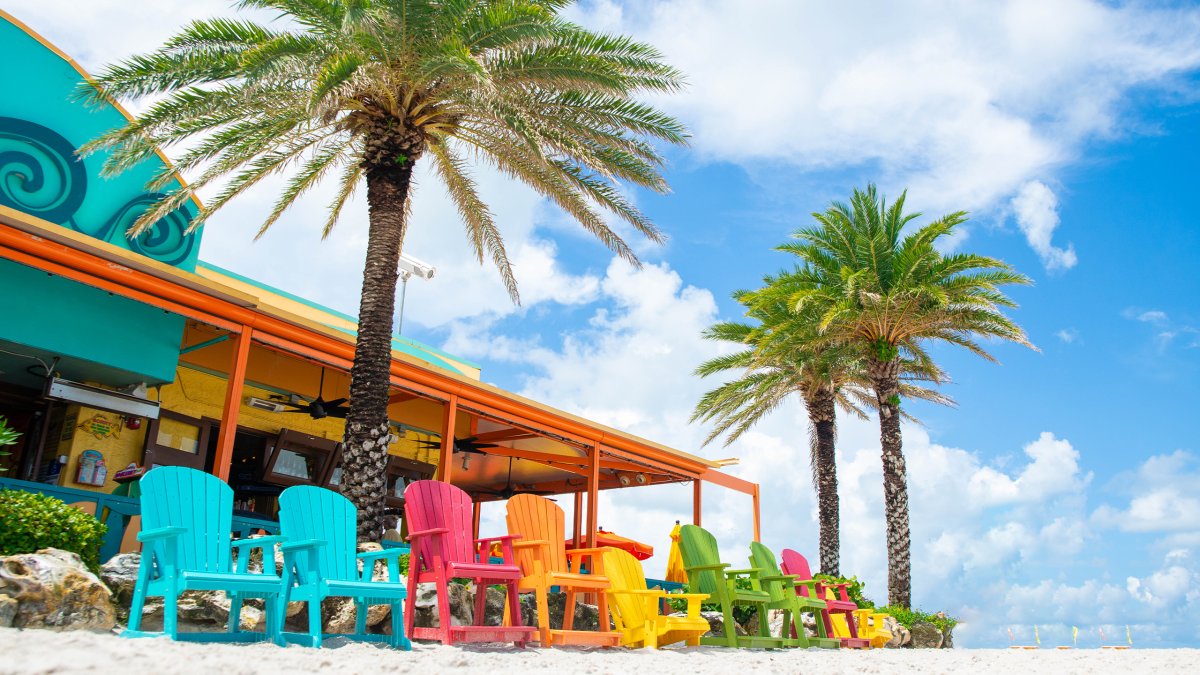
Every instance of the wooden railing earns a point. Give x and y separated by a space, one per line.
115 512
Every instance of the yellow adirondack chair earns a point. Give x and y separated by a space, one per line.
635 609
870 626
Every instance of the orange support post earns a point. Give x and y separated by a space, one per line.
233 402
757 518
593 486
475 508
577 518
696 484
447 454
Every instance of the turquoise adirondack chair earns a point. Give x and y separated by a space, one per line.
186 525
707 574
320 561
782 589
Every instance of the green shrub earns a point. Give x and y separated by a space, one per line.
34 521
8 436
854 589
908 617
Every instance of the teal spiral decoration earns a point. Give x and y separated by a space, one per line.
168 240
40 173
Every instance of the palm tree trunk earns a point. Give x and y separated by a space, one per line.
885 376
822 417
389 160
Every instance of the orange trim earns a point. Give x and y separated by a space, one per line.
577 520
696 503
757 517
593 494
731 482
233 402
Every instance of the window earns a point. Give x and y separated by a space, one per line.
299 459
400 472
177 440
178 434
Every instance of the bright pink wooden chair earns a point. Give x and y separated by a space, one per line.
439 523
794 563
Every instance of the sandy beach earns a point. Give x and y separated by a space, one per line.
44 652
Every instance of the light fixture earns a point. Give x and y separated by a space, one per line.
466 461
623 478
640 478
95 397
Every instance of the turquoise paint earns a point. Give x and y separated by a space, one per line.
69 319
40 126
402 344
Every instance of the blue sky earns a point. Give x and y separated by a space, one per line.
1061 491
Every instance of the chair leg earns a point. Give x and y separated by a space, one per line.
568 622
276 614
399 638
480 602
543 615
314 622
235 613
135 608
730 626
171 615
360 617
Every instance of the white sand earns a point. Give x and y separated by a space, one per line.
44 652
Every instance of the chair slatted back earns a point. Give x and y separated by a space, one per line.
202 504
309 512
432 504
537 518
794 563
762 558
699 547
624 572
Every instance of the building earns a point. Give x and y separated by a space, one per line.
117 351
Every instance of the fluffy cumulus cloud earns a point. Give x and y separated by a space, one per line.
1161 497
969 103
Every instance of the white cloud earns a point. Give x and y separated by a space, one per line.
1153 316
1162 498
1067 335
1036 209
1054 470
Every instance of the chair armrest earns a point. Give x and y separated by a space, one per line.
426 533
488 540
638 591
752 572
289 546
385 553
160 533
780 577
264 541
529 543
702 568
688 596
575 552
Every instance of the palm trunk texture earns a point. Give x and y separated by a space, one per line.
388 163
822 417
885 376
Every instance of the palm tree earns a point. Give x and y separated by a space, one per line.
365 89
784 355
887 295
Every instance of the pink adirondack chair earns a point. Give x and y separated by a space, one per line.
439 520
794 563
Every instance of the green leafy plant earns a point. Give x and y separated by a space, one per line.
34 521
854 590
908 617
8 436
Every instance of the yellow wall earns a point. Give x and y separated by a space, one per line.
198 394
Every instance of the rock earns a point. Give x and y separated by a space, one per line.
926 636
948 638
462 605
53 589
716 624
774 623
901 637
493 609
587 617
120 575
8 611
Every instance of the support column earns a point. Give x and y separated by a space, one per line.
696 484
475 508
445 462
577 518
233 402
593 498
757 519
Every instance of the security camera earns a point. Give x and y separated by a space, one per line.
411 266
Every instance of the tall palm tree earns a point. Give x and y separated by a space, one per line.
363 90
888 294
783 355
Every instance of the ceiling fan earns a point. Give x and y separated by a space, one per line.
468 444
318 407
509 491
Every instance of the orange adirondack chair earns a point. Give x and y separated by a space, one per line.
542 556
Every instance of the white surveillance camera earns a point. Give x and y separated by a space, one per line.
412 266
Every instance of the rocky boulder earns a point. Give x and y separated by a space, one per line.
926 636
901 637
53 589
587 617
774 623
716 625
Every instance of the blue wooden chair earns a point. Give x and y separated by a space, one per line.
186 543
320 561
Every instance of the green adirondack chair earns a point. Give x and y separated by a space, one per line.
782 589
707 574
186 542
320 560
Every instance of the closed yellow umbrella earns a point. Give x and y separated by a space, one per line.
675 570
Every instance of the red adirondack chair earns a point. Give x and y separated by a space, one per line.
439 520
794 563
